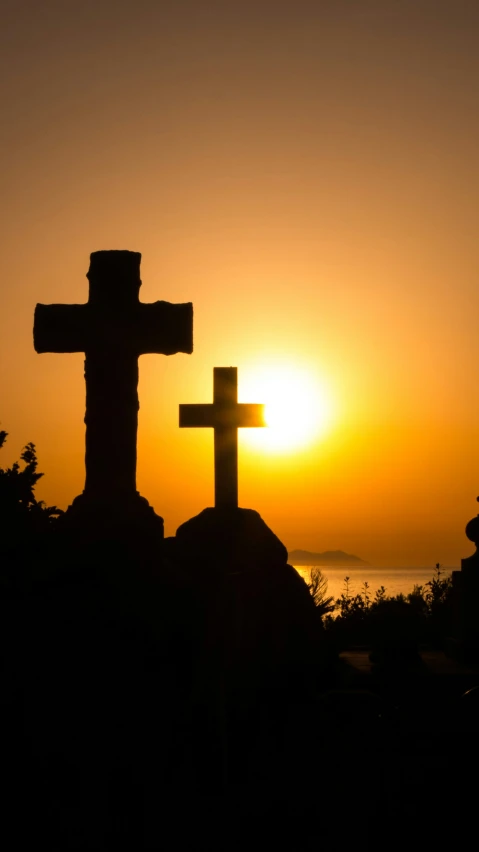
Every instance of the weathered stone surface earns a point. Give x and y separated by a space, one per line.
255 606
230 539
113 329
127 522
258 645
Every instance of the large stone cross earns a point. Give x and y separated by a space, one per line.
113 329
225 416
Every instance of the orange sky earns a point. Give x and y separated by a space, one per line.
305 173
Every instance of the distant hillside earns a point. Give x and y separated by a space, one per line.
329 557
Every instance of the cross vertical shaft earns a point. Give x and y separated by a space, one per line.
225 395
111 420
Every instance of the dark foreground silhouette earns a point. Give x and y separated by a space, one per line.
143 677
180 692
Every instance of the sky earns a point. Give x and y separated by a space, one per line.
306 174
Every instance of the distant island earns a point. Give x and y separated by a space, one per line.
329 557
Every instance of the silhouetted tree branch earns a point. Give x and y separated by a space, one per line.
20 511
318 587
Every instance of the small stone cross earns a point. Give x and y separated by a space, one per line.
113 329
226 415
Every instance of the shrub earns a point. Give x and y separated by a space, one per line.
401 621
23 518
318 587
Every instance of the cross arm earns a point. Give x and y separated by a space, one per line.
237 416
249 414
60 328
164 328
197 416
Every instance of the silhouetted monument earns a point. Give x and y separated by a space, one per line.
225 415
113 329
258 648
465 641
192 661
259 645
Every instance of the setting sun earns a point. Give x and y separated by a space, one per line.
297 407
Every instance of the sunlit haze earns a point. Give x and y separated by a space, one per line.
306 174
297 408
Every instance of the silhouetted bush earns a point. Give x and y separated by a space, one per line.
393 624
24 520
318 587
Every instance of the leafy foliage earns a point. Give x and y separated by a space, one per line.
367 618
318 587
21 514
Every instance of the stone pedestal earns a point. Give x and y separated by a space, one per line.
115 517
119 534
258 648
229 540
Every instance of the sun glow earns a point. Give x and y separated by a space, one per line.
297 407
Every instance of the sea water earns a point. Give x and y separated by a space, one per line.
394 580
